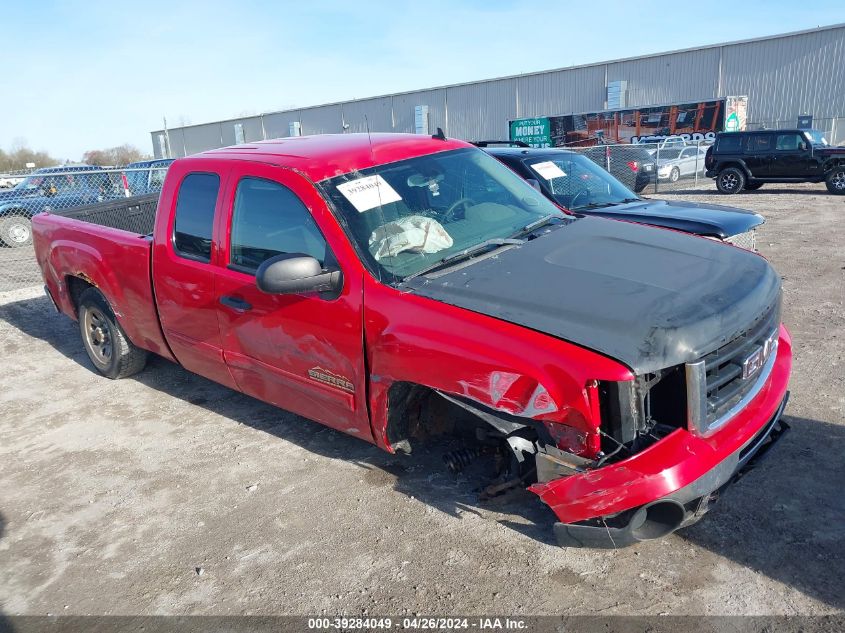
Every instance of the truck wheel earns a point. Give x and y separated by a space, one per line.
112 353
15 231
674 175
835 181
753 186
730 180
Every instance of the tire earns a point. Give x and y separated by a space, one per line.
835 181
674 175
753 186
640 188
105 342
730 181
15 231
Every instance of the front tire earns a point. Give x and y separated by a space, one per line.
106 344
730 181
835 181
674 175
15 231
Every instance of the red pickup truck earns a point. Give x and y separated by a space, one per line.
396 287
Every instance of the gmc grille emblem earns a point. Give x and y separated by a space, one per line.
754 362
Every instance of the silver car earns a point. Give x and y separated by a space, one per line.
673 164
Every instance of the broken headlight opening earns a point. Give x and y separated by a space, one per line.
635 414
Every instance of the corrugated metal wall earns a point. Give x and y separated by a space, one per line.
782 76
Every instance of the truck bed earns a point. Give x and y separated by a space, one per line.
135 215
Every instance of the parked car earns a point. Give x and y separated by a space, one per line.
634 166
747 160
398 287
674 164
664 144
47 189
579 185
146 176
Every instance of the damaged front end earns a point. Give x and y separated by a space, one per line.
655 455
671 441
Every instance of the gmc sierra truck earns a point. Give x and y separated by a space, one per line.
396 287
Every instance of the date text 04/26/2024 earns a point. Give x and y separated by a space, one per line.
417 623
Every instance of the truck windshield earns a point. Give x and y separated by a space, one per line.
409 215
576 182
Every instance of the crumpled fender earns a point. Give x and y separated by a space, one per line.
502 366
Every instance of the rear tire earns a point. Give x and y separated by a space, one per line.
730 181
835 181
753 186
106 344
15 231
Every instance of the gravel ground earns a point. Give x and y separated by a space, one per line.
168 494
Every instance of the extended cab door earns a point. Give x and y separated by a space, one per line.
184 256
303 353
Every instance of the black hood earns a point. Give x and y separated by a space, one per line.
702 219
646 297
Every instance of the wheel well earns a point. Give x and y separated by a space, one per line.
417 412
738 166
75 287
411 414
18 213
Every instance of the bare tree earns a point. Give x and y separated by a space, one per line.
19 155
120 155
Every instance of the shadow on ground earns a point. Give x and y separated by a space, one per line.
783 519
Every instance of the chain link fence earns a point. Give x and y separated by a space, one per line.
79 190
653 167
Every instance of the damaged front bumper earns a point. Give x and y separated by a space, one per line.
679 509
672 483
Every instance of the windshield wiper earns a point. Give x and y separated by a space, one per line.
536 224
465 254
595 205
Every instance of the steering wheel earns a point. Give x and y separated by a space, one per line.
582 192
449 214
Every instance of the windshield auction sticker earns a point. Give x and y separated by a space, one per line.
548 170
368 193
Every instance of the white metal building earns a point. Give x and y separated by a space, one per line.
783 76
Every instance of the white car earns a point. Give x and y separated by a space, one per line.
7 182
663 144
674 164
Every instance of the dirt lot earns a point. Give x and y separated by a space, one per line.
114 495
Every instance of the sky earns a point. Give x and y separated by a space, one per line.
90 75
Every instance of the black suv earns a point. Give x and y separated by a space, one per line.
747 160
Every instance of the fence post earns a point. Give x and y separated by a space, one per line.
656 167
697 156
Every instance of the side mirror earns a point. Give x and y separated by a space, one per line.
534 183
295 273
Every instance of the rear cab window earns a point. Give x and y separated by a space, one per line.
194 219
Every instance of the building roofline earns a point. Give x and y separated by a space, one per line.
763 38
